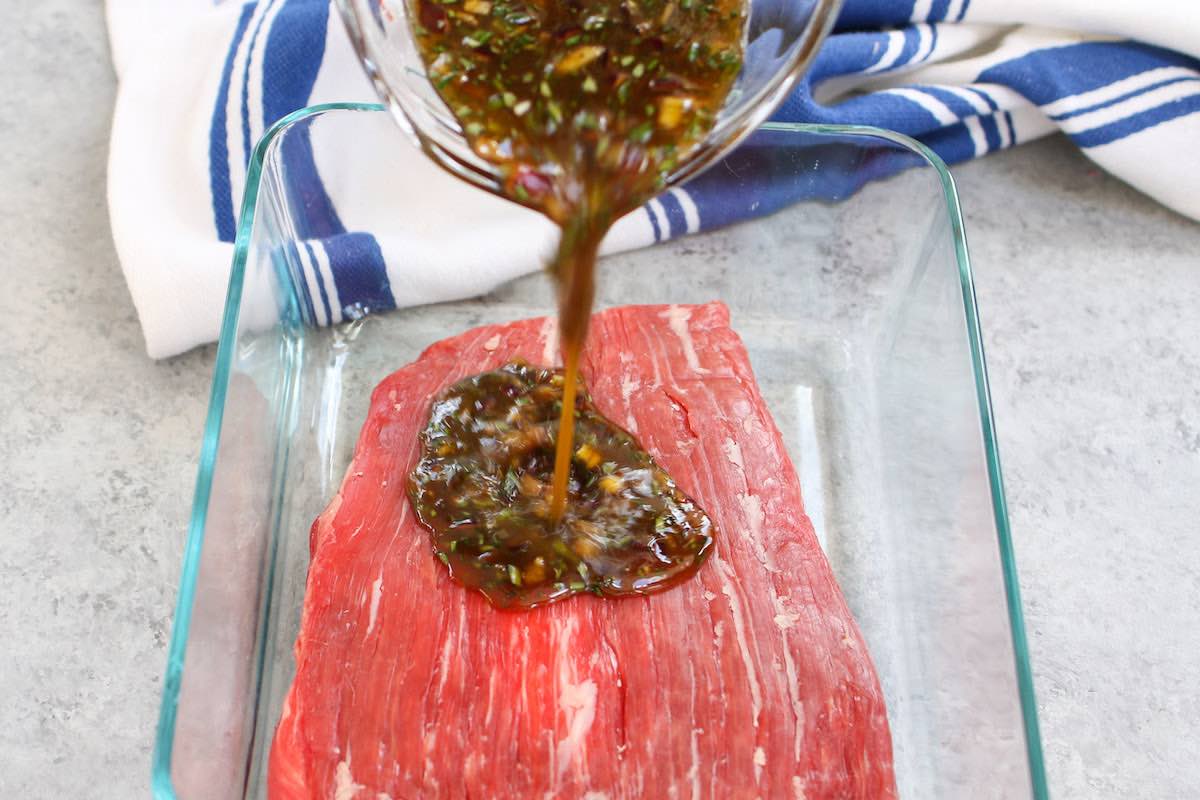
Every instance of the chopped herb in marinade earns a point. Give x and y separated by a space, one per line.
627 530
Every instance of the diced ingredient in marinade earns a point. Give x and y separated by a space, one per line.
750 679
482 486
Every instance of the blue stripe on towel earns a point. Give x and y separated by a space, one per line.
218 148
1041 77
986 97
292 58
307 310
1012 131
316 271
845 54
362 280
961 108
912 40
952 142
246 83
900 114
1122 98
991 131
658 235
1138 122
676 219
862 14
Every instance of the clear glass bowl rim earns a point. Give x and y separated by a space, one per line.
161 782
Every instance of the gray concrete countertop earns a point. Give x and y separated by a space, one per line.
1088 293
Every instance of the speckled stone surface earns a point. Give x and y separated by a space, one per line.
1089 296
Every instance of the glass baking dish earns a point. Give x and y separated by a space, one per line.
859 315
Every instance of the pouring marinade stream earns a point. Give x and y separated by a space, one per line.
585 106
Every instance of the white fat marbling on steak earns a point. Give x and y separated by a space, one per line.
734 453
376 591
739 629
629 385
344 787
550 340
677 319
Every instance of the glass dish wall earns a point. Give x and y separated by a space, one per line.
860 321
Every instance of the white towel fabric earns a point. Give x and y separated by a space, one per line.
200 81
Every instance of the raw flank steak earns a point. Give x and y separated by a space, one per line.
750 680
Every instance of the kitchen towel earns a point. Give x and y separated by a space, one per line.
200 81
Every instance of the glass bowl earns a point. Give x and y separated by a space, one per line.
858 312
782 38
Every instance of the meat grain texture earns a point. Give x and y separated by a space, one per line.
749 681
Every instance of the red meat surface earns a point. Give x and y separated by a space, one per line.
750 680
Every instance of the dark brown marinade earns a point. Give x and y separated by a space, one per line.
482 486
573 98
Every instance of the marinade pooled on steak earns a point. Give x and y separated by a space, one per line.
482 487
